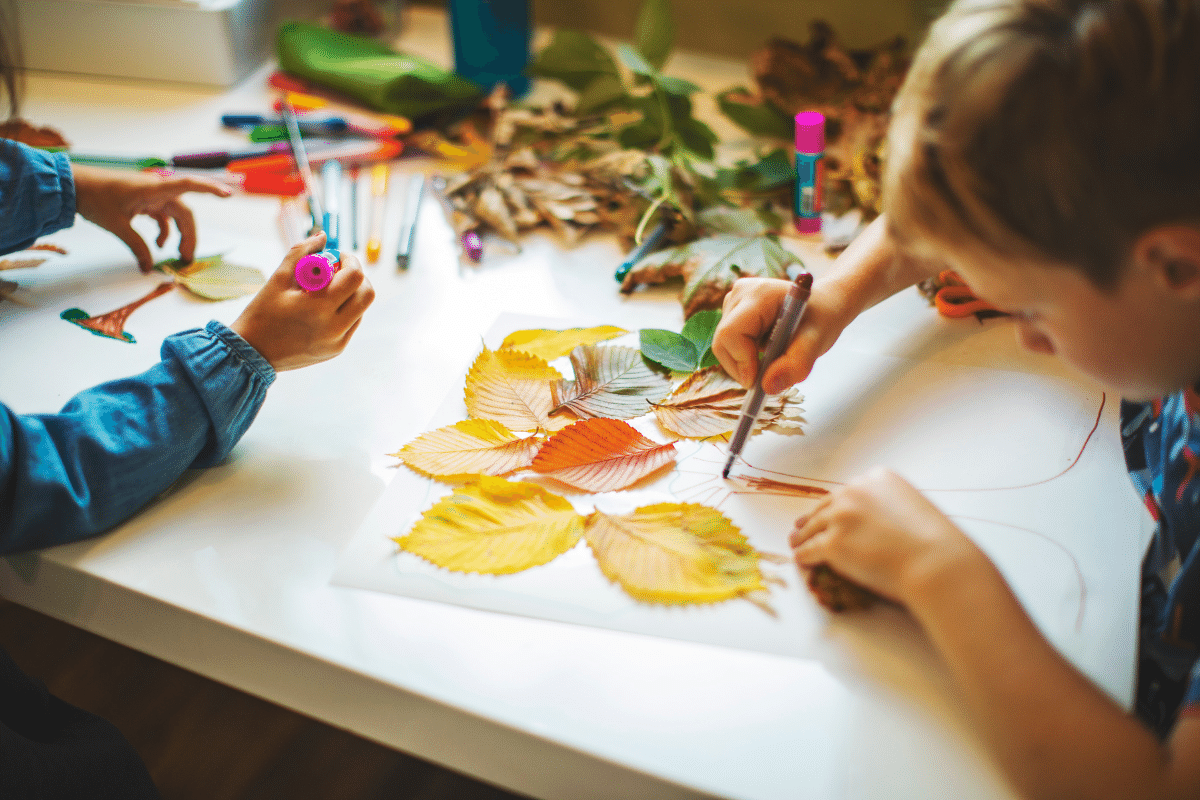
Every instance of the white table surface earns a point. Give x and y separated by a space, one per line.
228 574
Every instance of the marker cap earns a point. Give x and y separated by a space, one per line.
810 132
315 271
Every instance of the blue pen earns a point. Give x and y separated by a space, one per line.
324 125
331 182
648 244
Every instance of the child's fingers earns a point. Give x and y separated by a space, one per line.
285 274
355 305
169 188
133 240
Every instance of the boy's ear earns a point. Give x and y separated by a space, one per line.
1171 254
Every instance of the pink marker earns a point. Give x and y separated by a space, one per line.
315 271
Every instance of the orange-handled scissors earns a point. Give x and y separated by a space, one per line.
955 299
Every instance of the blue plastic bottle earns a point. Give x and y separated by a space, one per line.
491 42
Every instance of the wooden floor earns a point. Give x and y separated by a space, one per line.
202 739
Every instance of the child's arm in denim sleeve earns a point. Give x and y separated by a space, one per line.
116 446
37 194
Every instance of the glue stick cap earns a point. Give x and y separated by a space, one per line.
315 271
810 132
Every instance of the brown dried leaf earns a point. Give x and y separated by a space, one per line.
610 382
709 401
601 455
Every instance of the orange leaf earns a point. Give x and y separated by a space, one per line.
601 455
610 382
470 447
709 402
513 388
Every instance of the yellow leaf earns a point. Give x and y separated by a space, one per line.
470 447
675 553
496 527
601 455
513 388
214 278
709 403
549 344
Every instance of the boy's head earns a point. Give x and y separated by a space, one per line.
1058 133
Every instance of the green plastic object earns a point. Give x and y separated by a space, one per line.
372 73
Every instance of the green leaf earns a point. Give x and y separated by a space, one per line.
654 33
573 58
765 119
602 92
695 136
726 219
772 171
700 327
633 60
676 86
669 349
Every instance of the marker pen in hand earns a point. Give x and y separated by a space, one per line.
315 271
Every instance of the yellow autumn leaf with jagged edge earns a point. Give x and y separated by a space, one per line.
551 344
675 553
469 447
514 389
495 527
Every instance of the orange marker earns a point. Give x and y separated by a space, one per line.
379 188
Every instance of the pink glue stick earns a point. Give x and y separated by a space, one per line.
810 172
315 271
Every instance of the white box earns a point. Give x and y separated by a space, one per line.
215 42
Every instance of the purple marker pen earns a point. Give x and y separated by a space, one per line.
810 170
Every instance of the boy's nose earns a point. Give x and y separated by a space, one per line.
1033 339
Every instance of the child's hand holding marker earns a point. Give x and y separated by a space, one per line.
291 327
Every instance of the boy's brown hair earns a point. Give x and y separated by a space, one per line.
1050 130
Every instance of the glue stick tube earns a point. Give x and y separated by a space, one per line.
810 170
315 271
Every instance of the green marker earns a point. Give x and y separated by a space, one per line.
130 162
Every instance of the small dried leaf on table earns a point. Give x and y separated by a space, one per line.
601 455
496 527
675 553
612 382
214 278
469 447
709 267
513 388
551 344
709 401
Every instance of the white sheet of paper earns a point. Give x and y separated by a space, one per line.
1002 452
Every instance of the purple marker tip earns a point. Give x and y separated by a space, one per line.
472 245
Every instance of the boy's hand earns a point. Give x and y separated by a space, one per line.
748 314
112 198
292 328
880 532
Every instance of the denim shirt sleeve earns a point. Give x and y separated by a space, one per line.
116 446
37 194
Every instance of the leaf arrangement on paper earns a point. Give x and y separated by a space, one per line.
526 417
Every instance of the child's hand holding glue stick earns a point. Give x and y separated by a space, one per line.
292 327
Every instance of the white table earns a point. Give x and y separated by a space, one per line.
228 573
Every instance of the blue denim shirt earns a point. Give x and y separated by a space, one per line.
114 447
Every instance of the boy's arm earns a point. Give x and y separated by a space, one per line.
1054 733
114 447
